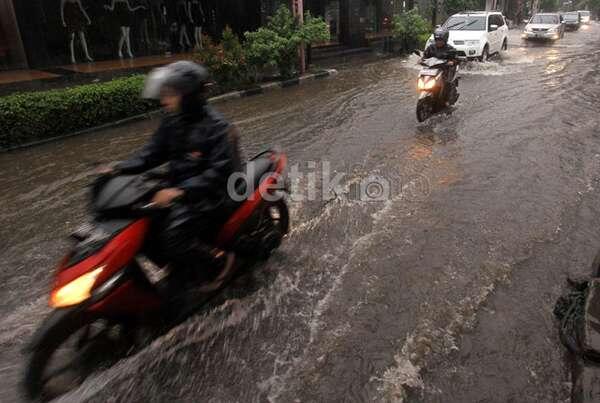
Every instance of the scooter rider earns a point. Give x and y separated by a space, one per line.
440 49
200 148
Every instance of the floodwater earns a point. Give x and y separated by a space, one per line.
441 292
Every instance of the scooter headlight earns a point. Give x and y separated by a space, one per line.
76 291
426 83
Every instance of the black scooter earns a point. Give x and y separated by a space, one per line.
435 92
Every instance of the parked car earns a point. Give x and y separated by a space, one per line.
477 34
585 16
545 26
572 21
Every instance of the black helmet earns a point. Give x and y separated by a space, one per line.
441 34
185 77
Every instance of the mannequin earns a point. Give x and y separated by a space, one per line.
74 18
146 19
162 23
124 14
184 18
197 14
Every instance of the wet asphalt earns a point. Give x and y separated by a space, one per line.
440 290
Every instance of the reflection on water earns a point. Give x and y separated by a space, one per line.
362 296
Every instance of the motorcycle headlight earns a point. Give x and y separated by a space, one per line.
426 83
76 291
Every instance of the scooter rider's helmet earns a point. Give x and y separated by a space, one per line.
190 80
441 35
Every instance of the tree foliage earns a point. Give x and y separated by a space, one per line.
412 29
277 43
455 6
226 61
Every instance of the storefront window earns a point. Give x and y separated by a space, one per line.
11 49
332 16
373 15
60 32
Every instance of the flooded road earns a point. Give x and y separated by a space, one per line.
441 292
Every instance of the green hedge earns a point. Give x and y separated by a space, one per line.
30 117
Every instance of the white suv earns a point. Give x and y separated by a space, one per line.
477 34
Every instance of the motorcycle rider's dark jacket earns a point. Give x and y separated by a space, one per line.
201 151
446 52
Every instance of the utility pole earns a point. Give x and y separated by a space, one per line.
298 10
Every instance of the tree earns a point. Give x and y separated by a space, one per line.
549 5
455 6
412 29
277 43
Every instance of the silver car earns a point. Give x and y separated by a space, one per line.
544 26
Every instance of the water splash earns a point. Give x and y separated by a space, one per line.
428 340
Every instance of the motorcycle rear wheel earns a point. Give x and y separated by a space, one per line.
275 223
453 95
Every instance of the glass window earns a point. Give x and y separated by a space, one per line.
571 17
465 23
545 19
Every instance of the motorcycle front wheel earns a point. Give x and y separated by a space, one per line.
424 109
68 352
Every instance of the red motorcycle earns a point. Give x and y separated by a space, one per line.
103 286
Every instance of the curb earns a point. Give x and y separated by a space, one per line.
264 88
261 89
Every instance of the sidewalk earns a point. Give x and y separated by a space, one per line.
75 74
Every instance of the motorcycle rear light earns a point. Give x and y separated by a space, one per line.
76 291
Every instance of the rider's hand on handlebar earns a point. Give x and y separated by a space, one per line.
107 169
166 197
450 62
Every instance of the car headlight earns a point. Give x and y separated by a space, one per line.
472 43
552 30
76 291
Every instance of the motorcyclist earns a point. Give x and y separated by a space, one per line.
200 147
440 49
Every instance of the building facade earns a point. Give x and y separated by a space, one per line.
43 33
